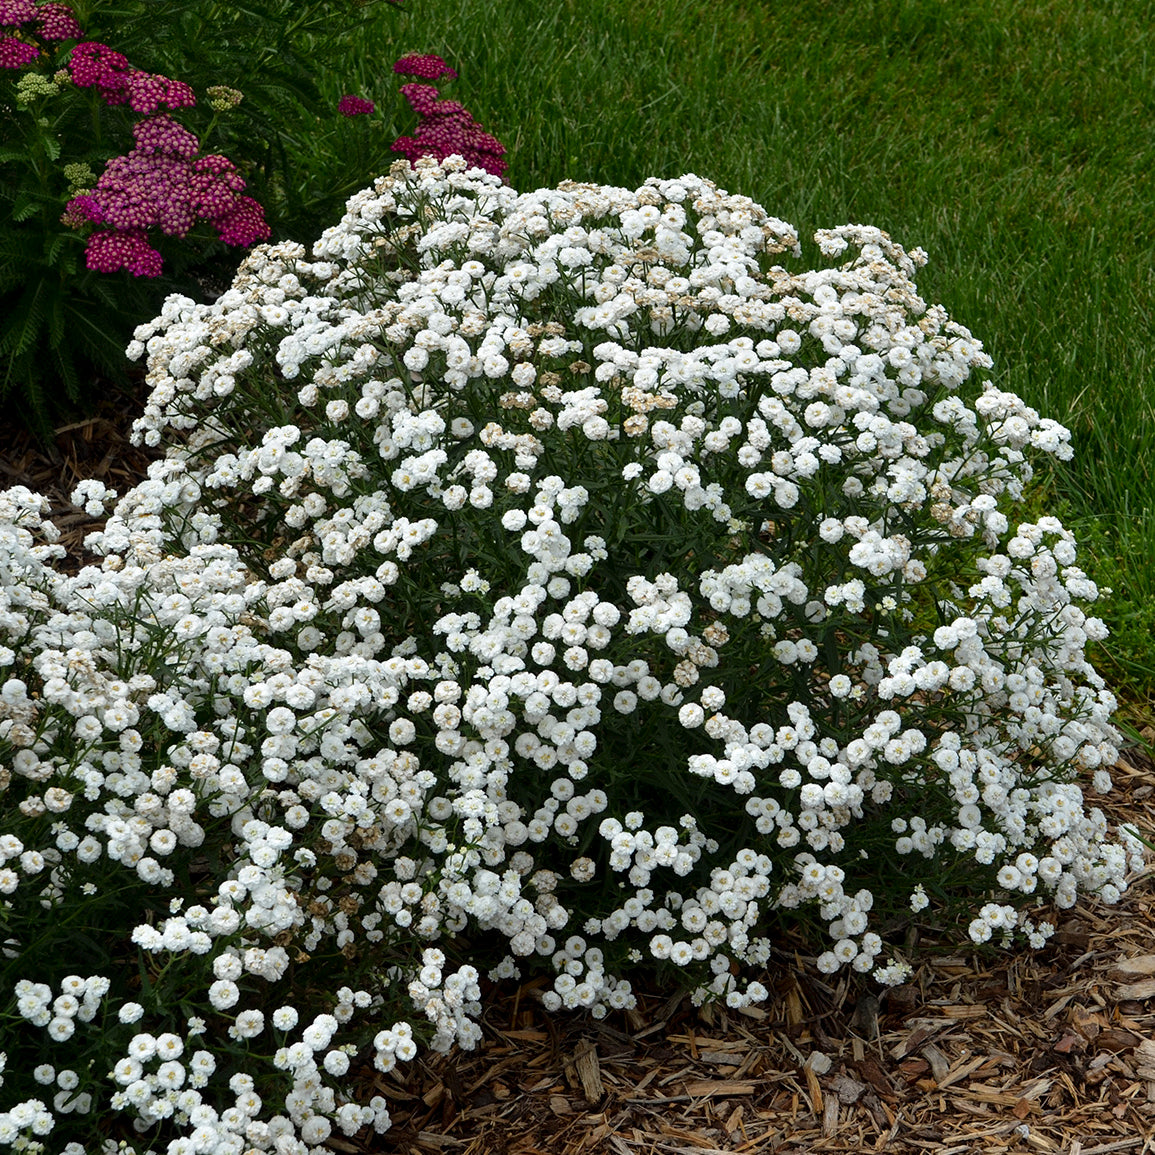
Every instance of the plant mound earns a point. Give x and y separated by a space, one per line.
551 580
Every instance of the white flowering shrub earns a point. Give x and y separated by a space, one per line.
545 580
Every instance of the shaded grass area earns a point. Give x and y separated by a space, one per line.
1012 139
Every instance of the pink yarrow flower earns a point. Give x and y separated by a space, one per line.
94 64
13 13
159 184
15 53
109 251
83 208
149 93
57 22
425 67
97 65
446 129
355 106
244 224
422 97
162 134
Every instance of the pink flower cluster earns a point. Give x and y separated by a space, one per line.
52 21
15 53
97 65
49 21
14 13
445 127
424 67
109 251
355 106
161 183
57 22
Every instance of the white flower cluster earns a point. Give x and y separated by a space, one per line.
78 1001
523 565
452 1007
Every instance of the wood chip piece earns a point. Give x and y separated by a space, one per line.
585 1061
1116 1039
717 1088
813 1087
830 1116
961 1070
1145 1059
1140 991
848 1090
939 1063
1128 968
870 1070
735 1120
864 1021
964 1011
919 1031
442 1142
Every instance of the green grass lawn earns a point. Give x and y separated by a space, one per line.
1013 139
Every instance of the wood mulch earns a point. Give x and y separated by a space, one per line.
97 448
1037 1051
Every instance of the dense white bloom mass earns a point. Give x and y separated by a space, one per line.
562 568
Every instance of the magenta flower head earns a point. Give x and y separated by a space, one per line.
354 106
162 134
15 53
424 67
120 83
82 208
109 251
162 184
214 185
422 97
13 13
244 224
446 128
57 22
97 64
148 92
